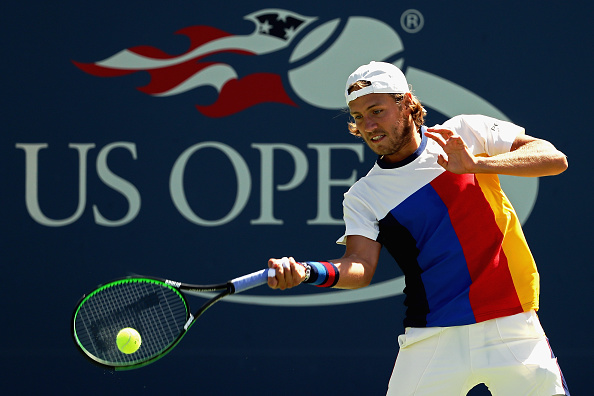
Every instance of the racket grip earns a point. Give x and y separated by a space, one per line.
252 280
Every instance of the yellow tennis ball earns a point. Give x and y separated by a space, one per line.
128 340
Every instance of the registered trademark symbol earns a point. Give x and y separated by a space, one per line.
412 21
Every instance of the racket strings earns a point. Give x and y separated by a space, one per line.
155 310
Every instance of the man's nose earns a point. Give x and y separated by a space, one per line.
370 125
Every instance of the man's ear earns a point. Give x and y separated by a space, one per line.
408 102
408 99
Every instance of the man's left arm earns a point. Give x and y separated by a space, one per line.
529 156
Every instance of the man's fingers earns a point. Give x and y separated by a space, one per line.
287 273
272 282
437 137
446 133
442 161
441 136
446 139
277 282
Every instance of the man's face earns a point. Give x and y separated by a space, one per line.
386 126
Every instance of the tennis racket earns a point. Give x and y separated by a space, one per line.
156 308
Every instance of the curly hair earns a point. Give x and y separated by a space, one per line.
418 111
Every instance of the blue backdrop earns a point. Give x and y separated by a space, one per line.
194 140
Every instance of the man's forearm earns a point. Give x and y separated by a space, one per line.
533 159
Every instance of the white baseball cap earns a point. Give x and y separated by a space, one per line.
384 78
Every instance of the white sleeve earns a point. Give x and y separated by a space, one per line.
359 219
484 135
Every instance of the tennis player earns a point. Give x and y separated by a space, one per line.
434 201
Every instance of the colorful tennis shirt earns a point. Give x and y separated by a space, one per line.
456 238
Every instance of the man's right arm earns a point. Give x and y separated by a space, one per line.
356 268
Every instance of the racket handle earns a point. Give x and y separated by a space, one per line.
252 280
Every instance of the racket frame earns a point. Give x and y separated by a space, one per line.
224 290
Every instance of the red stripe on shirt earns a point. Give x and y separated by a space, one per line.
492 292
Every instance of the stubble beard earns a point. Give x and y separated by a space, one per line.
401 136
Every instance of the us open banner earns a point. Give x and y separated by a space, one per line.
194 141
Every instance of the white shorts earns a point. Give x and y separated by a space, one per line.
510 355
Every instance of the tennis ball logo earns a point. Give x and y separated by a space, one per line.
128 340
319 79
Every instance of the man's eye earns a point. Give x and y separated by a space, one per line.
377 111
